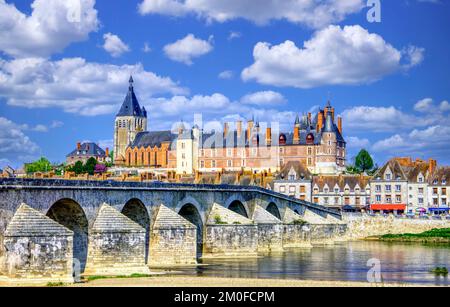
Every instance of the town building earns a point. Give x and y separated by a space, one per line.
439 191
342 192
401 186
315 141
85 151
294 180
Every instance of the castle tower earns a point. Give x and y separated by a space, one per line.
130 120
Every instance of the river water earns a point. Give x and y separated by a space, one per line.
399 263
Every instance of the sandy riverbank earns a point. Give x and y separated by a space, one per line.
194 281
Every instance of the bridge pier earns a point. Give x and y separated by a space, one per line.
116 245
270 230
37 249
296 234
173 240
229 234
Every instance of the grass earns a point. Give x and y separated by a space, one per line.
300 222
440 271
431 236
135 275
55 284
218 220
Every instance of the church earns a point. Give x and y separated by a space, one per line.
316 141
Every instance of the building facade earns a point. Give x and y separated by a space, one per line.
315 141
85 151
294 180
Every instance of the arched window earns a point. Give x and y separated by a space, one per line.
129 158
135 158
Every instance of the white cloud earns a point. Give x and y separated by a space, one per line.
413 56
333 56
264 98
424 105
216 107
146 48
382 119
357 143
52 26
427 105
226 75
188 48
429 142
234 35
444 106
77 86
56 124
114 45
14 144
311 13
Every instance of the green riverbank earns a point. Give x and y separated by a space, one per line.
435 236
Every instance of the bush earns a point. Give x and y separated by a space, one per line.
218 220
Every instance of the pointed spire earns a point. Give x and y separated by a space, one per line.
131 81
297 120
130 106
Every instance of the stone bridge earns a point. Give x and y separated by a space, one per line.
50 229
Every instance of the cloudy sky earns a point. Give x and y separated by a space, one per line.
64 67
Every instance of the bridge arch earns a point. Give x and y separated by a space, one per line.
238 207
70 214
135 210
273 209
191 213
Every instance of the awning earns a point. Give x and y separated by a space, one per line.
439 209
387 207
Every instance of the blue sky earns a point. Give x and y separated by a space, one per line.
64 67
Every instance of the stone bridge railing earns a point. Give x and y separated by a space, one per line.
155 186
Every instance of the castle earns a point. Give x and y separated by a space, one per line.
315 141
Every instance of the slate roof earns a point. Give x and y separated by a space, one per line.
130 106
88 149
153 138
350 180
396 169
441 176
302 172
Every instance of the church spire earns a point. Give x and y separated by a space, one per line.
130 106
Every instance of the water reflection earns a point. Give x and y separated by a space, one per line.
401 263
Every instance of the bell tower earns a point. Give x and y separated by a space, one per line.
130 120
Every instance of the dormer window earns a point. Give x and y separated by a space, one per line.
388 176
291 177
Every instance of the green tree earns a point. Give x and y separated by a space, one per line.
89 167
363 161
77 168
41 165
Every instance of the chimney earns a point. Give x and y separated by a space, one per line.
296 138
249 128
332 113
268 136
309 117
319 122
225 129
432 166
325 112
239 128
107 152
78 146
340 124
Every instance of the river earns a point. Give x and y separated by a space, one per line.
399 263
